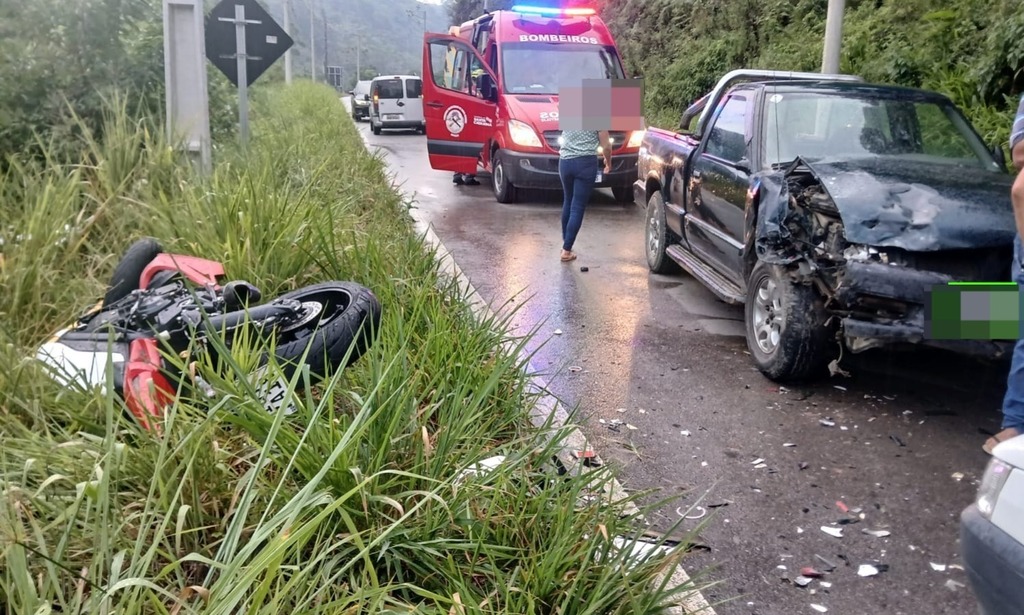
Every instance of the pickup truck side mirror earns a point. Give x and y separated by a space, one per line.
999 155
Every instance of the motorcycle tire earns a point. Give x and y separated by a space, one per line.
342 315
128 272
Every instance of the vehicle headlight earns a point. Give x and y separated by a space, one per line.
522 134
635 139
991 484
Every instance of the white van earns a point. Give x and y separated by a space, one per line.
397 102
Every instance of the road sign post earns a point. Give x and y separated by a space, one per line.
243 41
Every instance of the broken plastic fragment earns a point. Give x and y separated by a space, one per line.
757 461
575 368
819 608
761 466
803 581
807 571
789 444
620 409
829 566
685 433
876 533
630 427
827 423
841 388
958 476
867 570
938 567
952 585
558 331
833 531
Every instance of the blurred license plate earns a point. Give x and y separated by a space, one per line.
392 116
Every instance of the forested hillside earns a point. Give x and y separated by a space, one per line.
971 50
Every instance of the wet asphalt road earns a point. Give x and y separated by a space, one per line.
905 448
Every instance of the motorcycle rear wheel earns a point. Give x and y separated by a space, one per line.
128 272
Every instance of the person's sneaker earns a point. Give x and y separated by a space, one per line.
470 180
457 179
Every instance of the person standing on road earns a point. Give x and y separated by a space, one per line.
578 169
1013 402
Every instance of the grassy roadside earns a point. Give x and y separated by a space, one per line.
352 504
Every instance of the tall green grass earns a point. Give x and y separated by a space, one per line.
352 504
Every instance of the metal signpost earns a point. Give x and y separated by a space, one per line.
188 109
243 41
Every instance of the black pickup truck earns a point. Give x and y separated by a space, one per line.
828 207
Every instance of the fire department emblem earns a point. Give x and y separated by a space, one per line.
455 119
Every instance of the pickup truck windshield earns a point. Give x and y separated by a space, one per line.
846 126
543 68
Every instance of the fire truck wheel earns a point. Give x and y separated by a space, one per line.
504 191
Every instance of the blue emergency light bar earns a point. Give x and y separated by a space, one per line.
553 11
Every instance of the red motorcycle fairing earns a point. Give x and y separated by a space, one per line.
146 390
199 270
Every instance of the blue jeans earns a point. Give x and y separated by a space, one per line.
1013 402
578 178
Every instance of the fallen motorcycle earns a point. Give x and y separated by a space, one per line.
156 298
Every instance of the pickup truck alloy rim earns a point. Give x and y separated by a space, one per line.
767 315
653 234
499 176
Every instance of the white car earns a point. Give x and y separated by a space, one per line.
992 533
397 102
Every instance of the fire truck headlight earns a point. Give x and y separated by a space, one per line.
635 139
523 135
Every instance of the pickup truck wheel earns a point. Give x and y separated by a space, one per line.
657 237
785 326
504 191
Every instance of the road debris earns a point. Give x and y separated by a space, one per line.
761 466
825 584
803 581
697 512
952 585
841 388
897 440
829 566
876 533
788 444
630 427
685 432
827 423
703 464
842 506
620 410
817 607
807 571
833 531
867 570
558 331
584 269
641 411
804 465
756 461
575 368
958 476
938 567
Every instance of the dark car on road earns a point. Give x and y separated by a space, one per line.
361 101
828 207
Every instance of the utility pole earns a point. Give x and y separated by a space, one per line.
288 54
833 36
323 17
312 45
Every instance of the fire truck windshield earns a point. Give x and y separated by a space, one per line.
543 68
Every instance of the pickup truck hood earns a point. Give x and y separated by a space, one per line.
886 202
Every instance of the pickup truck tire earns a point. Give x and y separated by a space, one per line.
504 191
785 326
657 237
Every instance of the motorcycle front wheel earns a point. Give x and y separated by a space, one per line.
336 317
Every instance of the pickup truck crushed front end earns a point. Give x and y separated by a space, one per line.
874 240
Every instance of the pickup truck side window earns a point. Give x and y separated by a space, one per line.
727 139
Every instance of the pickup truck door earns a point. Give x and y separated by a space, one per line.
459 120
719 181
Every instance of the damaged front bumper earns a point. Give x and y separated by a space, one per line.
887 305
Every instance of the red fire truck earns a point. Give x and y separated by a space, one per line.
490 96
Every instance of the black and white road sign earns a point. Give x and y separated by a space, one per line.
265 40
